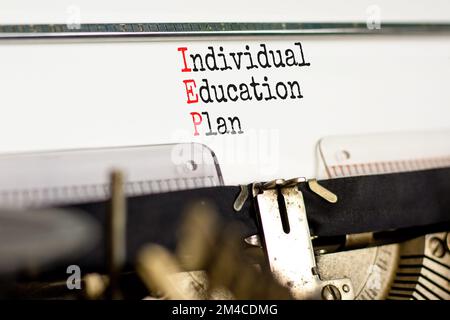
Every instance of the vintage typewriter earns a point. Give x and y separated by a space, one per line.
228 160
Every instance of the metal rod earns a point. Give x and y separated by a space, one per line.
116 233
161 31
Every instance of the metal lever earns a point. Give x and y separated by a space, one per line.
291 255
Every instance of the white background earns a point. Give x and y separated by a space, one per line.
59 96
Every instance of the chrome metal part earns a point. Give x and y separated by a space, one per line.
421 274
241 198
296 269
322 191
253 241
358 240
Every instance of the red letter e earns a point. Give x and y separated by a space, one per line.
191 96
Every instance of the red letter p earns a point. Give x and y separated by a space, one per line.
197 120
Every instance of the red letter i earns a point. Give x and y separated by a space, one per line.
183 52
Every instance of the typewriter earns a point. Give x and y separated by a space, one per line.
277 154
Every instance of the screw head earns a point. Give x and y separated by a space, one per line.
191 165
342 155
345 288
330 292
437 247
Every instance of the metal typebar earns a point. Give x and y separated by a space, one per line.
182 30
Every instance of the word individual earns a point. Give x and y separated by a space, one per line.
246 59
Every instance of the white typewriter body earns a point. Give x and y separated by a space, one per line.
358 89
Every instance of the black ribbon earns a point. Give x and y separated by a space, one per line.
365 204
